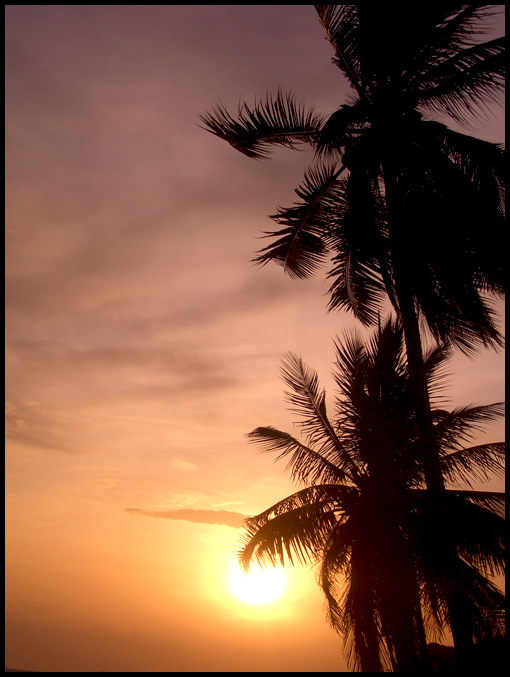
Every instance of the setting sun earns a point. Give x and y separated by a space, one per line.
259 586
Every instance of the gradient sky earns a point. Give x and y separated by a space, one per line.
142 344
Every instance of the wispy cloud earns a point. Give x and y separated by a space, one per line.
37 426
180 464
221 517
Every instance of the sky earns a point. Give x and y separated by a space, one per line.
142 343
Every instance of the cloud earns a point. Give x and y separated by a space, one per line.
36 425
221 517
182 465
125 371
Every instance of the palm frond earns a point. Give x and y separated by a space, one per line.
294 535
386 361
435 363
465 83
457 313
471 187
480 599
374 417
304 464
341 25
360 250
447 199
371 375
483 601
357 286
480 462
308 400
303 242
297 526
276 120
489 500
350 354
479 534
482 162
451 29
460 425
334 573
351 599
343 128
339 498
474 523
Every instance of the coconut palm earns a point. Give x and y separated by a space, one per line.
363 515
407 208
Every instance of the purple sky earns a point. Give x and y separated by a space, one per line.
142 344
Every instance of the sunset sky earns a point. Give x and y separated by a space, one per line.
142 343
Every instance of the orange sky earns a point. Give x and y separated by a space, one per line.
142 345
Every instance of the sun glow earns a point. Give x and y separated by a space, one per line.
259 586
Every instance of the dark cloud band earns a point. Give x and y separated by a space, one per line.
220 517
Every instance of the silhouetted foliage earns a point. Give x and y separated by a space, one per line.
415 193
489 656
403 206
364 516
442 658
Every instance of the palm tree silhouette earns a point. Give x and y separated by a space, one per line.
363 516
407 208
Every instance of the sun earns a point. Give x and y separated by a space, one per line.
259 586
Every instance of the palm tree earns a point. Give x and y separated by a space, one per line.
363 515
407 208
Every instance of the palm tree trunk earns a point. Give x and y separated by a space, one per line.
429 451
400 590
409 642
445 552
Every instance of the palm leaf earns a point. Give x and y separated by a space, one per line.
474 174
435 363
343 128
462 423
482 162
460 185
374 419
297 526
296 534
476 527
447 200
480 462
351 604
464 84
305 464
360 248
342 28
479 534
276 120
456 313
386 361
350 359
446 31
489 500
303 242
357 286
483 601
309 402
